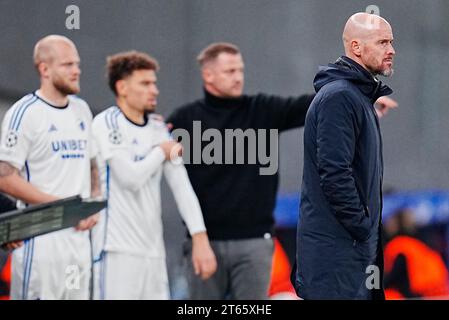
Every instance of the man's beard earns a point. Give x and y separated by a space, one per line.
64 88
386 73
376 69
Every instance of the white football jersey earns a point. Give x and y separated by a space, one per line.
51 146
131 165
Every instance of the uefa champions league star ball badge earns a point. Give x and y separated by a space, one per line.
115 137
11 139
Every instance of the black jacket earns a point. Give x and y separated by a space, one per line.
341 198
6 204
237 202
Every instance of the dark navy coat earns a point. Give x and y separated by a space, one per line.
341 197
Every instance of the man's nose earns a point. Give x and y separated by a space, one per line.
239 76
391 50
77 70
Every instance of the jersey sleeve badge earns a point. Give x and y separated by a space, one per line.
11 139
115 137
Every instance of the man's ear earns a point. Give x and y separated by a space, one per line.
121 87
356 48
207 75
43 69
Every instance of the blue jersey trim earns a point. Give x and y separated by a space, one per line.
29 268
28 262
103 252
106 118
14 115
103 277
19 112
16 128
110 116
28 255
115 118
108 188
25 263
27 170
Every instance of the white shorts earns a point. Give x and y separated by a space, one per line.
53 266
123 276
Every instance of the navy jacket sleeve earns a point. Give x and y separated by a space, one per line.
336 138
286 113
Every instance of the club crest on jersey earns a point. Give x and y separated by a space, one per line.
82 126
115 137
11 139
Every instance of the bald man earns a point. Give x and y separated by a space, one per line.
45 155
339 254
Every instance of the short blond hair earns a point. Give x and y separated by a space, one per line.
43 50
212 51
